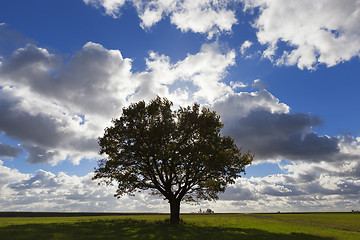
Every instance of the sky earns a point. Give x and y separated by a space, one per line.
283 76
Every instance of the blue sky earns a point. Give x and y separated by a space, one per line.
283 76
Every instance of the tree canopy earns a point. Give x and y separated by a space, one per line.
179 154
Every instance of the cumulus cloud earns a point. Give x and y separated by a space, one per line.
8 175
316 32
201 16
57 110
274 135
35 112
259 122
45 191
198 77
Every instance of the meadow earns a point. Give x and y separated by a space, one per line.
309 226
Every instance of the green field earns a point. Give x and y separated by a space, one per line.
215 226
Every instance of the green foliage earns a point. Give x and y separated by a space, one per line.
178 154
216 226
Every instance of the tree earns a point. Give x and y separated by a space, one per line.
209 211
177 154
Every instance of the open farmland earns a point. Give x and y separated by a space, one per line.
215 226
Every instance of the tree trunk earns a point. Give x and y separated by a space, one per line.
175 211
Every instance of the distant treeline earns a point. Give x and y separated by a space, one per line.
86 214
67 214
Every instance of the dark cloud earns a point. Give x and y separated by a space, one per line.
304 177
41 180
259 122
84 83
282 190
39 154
32 67
77 197
9 151
90 82
18 124
47 105
25 59
342 187
274 135
238 193
41 134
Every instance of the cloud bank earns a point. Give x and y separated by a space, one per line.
45 191
302 187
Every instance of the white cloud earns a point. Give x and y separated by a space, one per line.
8 175
196 78
235 85
258 84
151 12
242 103
206 16
200 16
206 69
112 7
45 191
246 45
306 187
317 32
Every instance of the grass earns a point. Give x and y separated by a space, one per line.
329 226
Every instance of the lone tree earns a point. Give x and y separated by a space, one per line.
178 154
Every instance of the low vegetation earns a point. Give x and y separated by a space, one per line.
325 226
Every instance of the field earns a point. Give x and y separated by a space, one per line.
308 226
